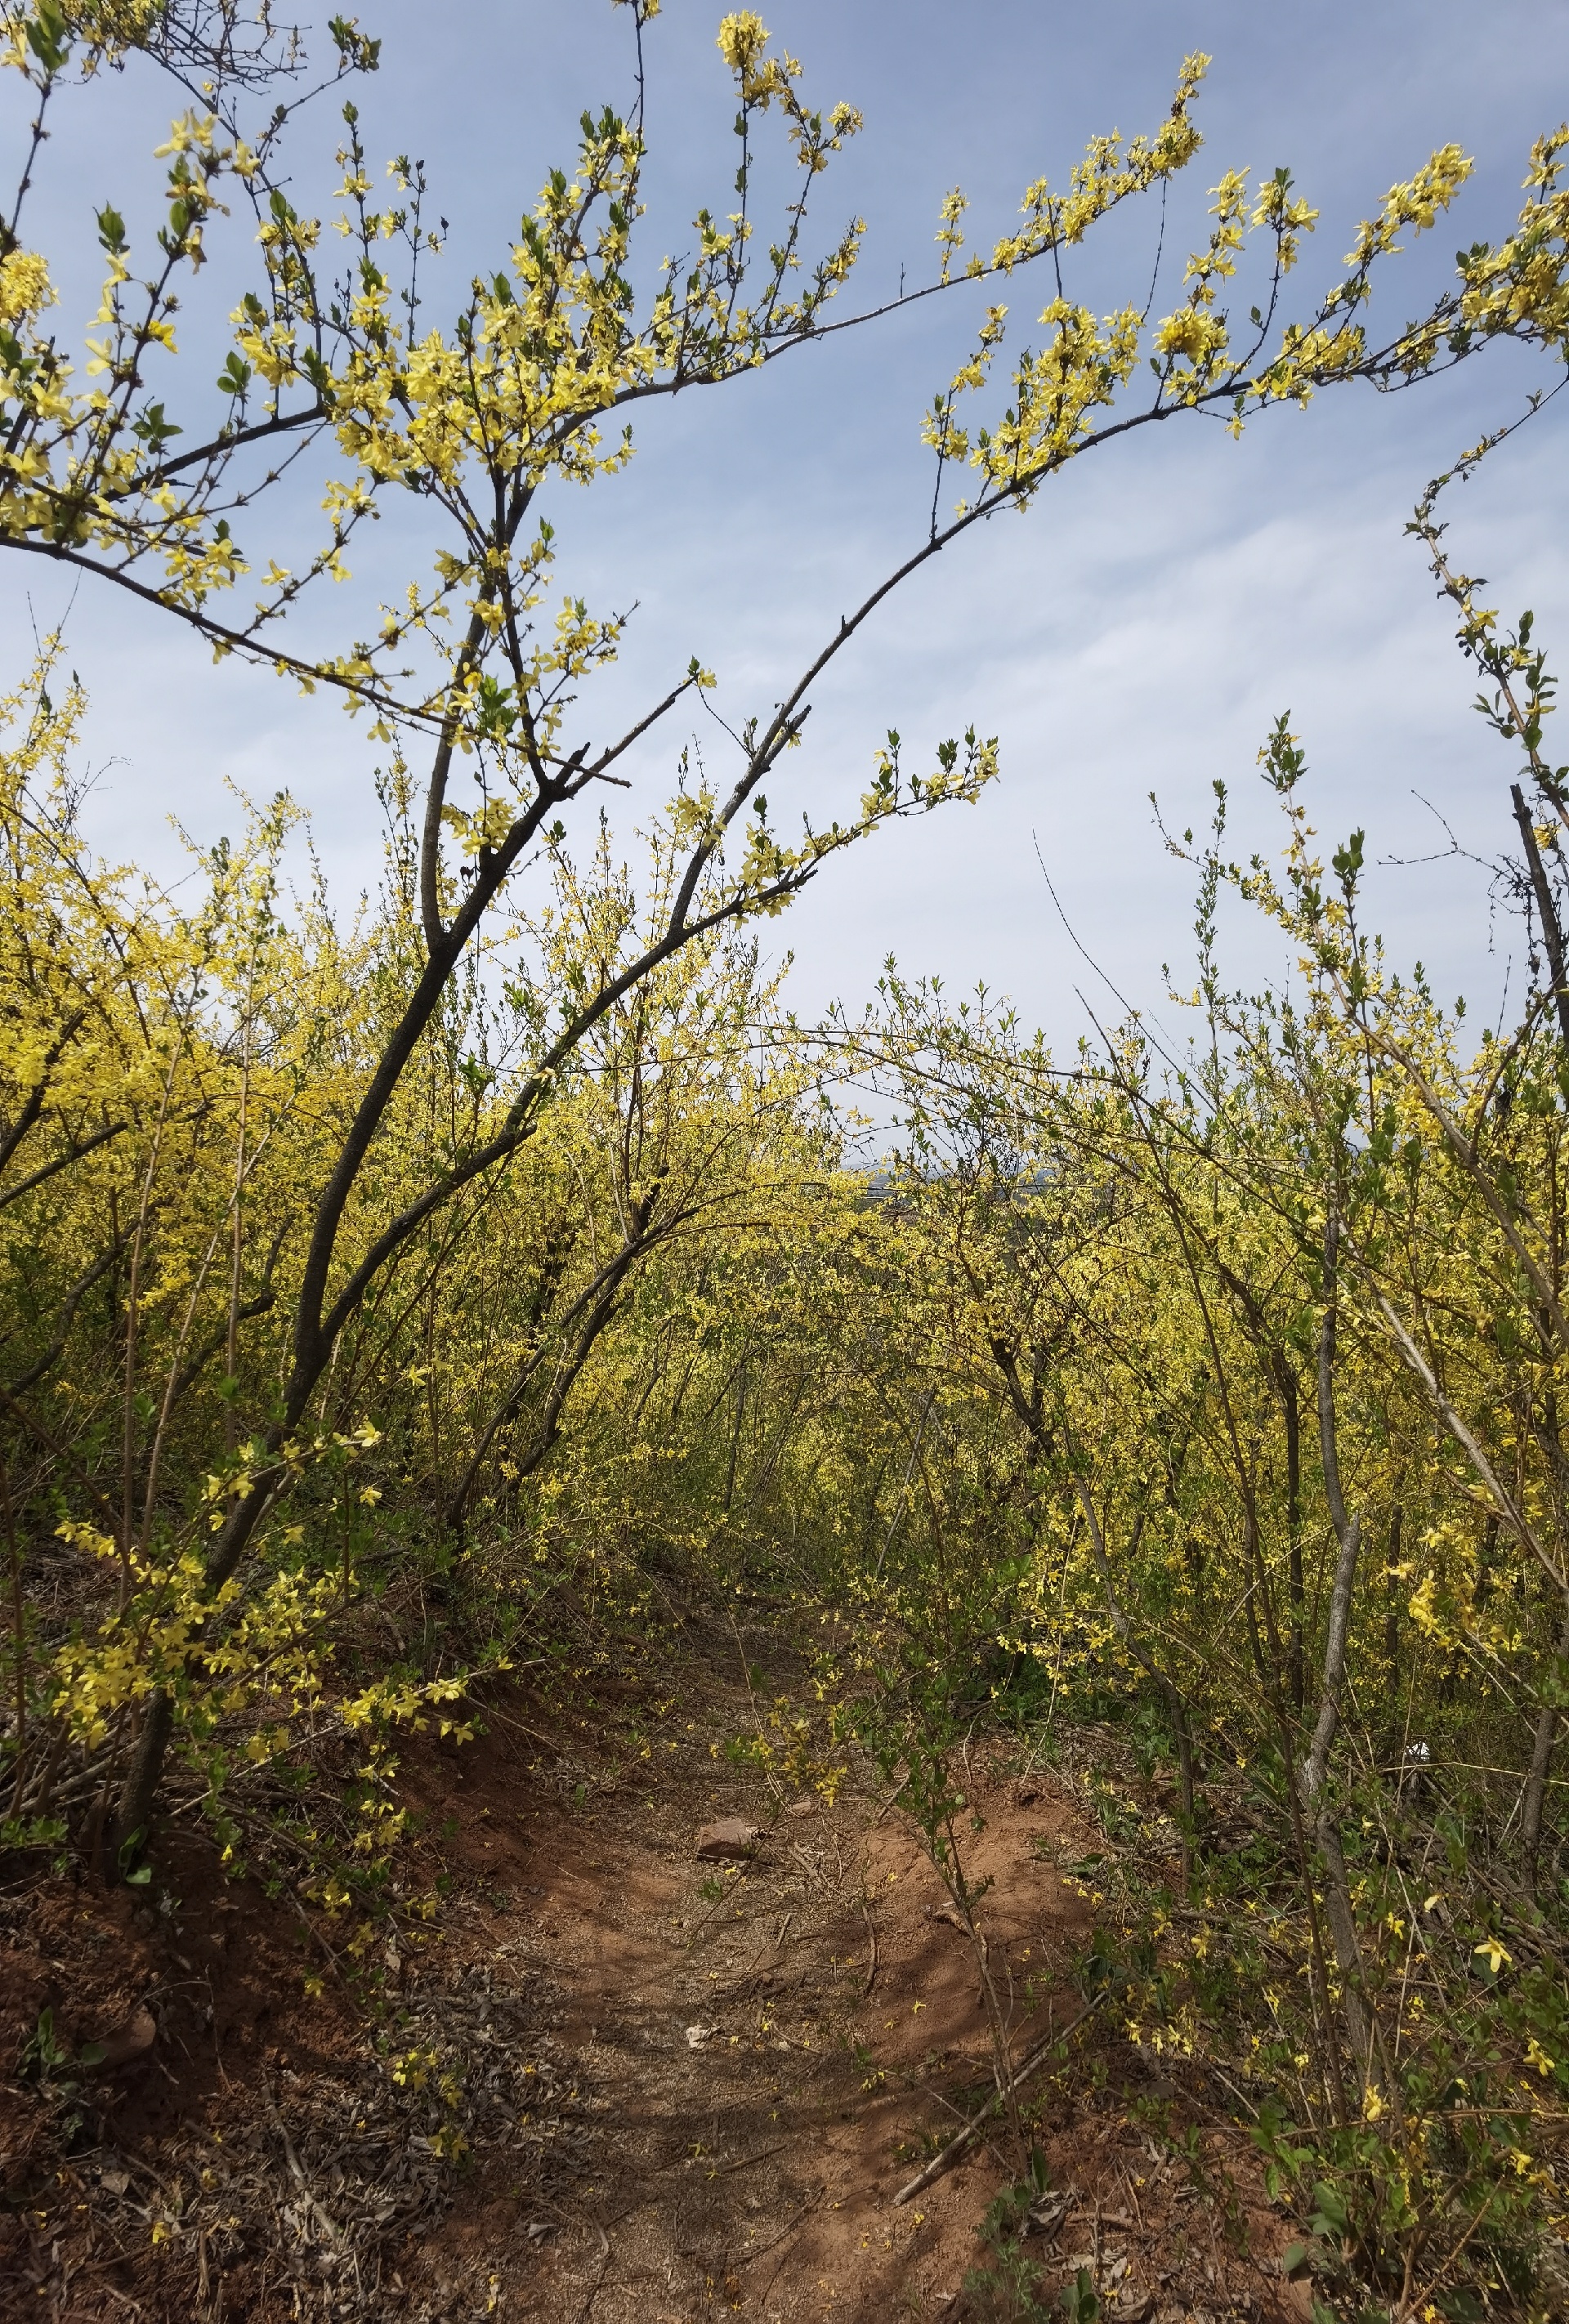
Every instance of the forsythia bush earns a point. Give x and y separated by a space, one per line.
383 1295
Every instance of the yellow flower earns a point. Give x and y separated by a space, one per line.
742 38
24 285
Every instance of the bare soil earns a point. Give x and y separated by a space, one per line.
614 2082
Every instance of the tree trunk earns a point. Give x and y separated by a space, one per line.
1535 1793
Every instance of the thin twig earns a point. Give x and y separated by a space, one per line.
945 2160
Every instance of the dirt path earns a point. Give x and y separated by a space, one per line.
761 2091
770 2052
618 2083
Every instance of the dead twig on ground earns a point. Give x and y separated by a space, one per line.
945 2160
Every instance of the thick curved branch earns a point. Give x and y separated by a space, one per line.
34 1104
600 1299
60 1162
66 1318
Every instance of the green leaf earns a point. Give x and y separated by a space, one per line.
48 37
1330 2215
1461 2307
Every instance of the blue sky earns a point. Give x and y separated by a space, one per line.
1138 629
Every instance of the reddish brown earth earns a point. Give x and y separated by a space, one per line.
685 2088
